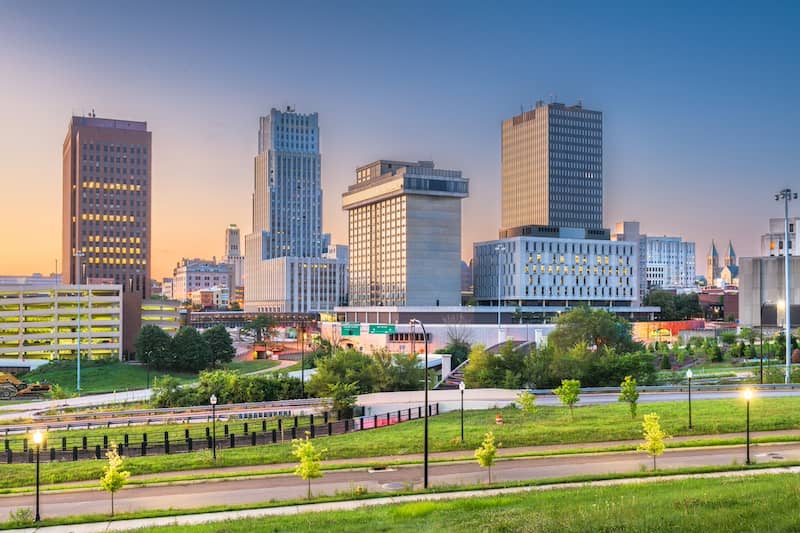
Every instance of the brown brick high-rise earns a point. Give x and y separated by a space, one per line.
106 209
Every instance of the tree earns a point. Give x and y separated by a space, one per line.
596 327
262 327
674 306
569 393
347 366
487 452
527 401
114 478
484 369
654 437
628 393
344 398
220 344
309 458
190 351
153 346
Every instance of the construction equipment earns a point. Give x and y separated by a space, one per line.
11 387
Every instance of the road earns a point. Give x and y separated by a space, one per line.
283 487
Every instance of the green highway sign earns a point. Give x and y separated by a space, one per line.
351 329
381 328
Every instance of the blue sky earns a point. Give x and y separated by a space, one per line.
701 126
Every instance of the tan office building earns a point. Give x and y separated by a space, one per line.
106 210
552 168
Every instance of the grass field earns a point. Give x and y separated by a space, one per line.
550 425
98 376
254 365
762 503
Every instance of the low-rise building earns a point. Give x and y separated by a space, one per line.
193 274
210 298
56 321
165 314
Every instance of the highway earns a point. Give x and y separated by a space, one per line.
283 487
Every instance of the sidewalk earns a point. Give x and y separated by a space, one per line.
457 455
195 519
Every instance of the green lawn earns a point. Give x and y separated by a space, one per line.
98 376
253 365
762 503
550 425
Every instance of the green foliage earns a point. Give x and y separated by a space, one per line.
153 346
674 306
220 344
309 460
459 349
665 362
190 351
728 337
654 437
527 402
114 478
347 366
400 371
629 394
262 327
229 387
748 335
569 393
597 328
486 453
344 398
21 517
57 392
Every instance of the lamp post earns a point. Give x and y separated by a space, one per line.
786 195
499 249
761 344
461 387
78 255
37 440
689 377
412 323
149 355
748 395
213 401
300 335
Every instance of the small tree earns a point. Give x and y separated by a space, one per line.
114 478
628 393
220 343
344 397
569 393
527 401
309 459
654 437
487 452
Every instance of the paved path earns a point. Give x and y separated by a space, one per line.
281 487
195 519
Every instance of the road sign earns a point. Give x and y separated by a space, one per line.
381 328
351 329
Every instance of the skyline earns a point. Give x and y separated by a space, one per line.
698 126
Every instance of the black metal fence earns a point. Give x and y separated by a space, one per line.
249 433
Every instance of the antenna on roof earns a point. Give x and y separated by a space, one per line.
92 114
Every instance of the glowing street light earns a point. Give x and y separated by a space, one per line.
213 401
748 395
38 438
689 378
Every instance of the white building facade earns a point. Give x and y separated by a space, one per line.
669 262
191 275
44 321
560 272
234 255
286 266
772 243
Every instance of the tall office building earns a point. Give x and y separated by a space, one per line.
405 234
106 207
233 255
106 210
772 242
552 168
287 267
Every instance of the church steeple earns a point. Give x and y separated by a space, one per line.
713 268
730 257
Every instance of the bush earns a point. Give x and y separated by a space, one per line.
228 386
665 363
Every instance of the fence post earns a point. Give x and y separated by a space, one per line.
83 442
274 436
345 425
280 428
226 429
144 448
264 426
74 453
374 421
189 444
8 445
209 442
208 432
295 421
246 428
9 455
253 438
63 444
419 412
325 416
52 454
166 442
186 434
312 431
25 445
105 442
388 419
330 428
97 451
233 440
127 442
294 433
409 413
119 449
144 438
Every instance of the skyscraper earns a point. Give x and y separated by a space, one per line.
287 264
233 255
552 168
106 202
405 234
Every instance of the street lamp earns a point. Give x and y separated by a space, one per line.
461 387
786 195
78 255
37 440
213 401
499 248
414 322
689 377
748 395
300 335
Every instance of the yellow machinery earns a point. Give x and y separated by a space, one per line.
11 387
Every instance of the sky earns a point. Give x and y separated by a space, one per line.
700 122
